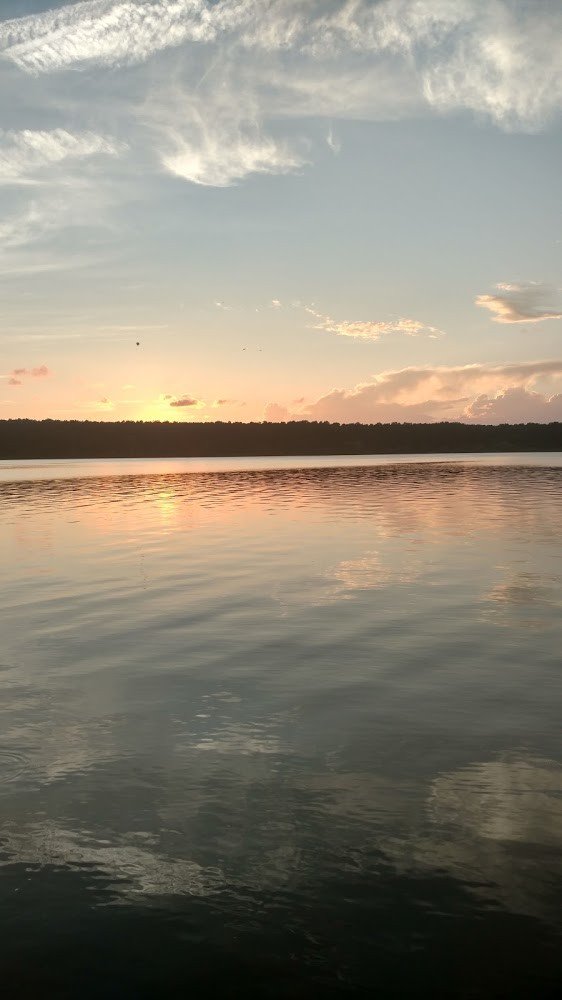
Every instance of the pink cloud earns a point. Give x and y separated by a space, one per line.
14 381
276 413
485 392
518 405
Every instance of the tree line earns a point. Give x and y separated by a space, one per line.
22 438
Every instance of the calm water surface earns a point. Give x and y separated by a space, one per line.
281 728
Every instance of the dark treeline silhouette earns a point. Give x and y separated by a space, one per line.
137 439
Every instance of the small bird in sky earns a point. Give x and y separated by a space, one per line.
138 343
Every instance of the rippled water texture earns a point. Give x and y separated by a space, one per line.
286 732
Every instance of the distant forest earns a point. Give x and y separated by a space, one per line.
137 439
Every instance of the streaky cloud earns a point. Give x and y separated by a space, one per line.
28 152
501 59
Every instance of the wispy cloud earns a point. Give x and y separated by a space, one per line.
30 224
108 32
372 329
519 303
216 153
248 68
497 59
26 153
333 142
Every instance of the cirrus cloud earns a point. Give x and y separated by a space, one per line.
245 63
28 151
499 59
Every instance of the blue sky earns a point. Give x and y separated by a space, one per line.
336 210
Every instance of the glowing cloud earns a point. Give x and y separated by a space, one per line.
518 303
220 158
483 392
372 329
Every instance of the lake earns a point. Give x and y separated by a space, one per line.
281 727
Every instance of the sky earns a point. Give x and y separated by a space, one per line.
342 210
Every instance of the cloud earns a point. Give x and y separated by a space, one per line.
225 402
468 392
186 401
519 303
275 413
275 304
32 224
242 74
333 142
17 374
108 33
514 406
220 155
501 60
24 153
222 305
372 329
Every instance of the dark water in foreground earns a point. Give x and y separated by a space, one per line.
281 733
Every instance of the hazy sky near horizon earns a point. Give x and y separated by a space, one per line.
331 209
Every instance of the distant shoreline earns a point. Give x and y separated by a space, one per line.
75 439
